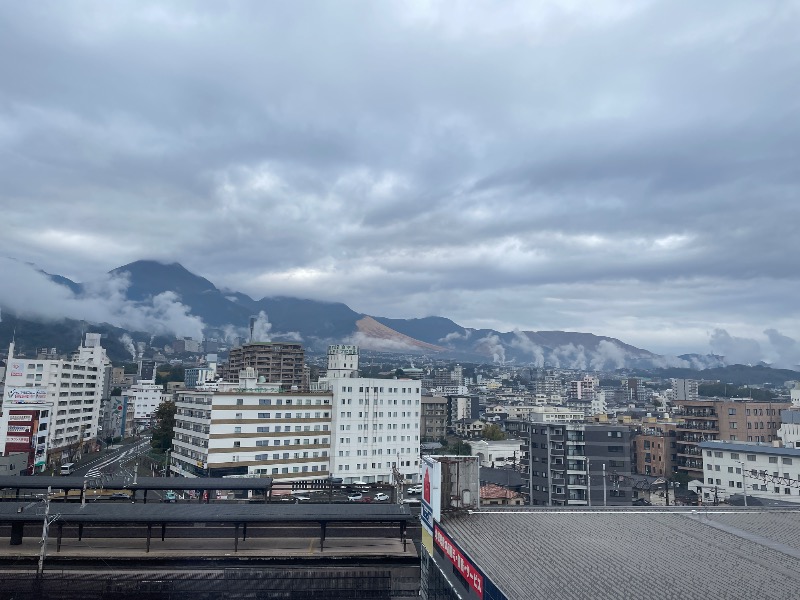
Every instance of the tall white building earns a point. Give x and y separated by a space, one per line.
342 361
375 429
685 389
75 389
252 428
145 397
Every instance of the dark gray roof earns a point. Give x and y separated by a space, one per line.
632 553
506 477
741 447
95 512
142 483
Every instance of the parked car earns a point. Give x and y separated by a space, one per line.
415 489
170 496
119 496
355 497
381 497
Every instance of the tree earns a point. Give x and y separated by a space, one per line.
492 432
164 427
459 448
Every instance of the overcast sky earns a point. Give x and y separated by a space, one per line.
625 168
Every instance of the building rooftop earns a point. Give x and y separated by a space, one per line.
630 553
749 447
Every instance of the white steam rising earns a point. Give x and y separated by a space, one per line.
34 295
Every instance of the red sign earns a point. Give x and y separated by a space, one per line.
462 563
426 486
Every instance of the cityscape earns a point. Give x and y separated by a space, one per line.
343 300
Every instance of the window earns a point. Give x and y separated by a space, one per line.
734 456
773 460
237 444
617 449
786 461
717 454
237 430
731 411
730 469
751 457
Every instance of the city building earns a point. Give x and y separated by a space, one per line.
685 389
24 428
199 376
75 388
433 418
376 429
762 472
655 450
276 362
569 464
555 414
147 369
789 431
718 419
497 453
342 361
254 428
144 397
461 407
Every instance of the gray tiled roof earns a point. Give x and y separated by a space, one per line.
635 554
740 447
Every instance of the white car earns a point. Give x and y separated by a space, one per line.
356 497
415 489
381 497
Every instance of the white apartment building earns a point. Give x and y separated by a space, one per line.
145 397
789 431
376 429
685 389
555 414
74 387
764 472
500 453
252 428
342 361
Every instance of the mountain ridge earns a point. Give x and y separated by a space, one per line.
319 323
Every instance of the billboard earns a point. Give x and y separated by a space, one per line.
431 493
20 395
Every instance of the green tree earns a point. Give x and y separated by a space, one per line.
459 448
492 432
164 426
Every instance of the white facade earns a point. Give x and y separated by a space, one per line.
145 397
789 431
342 361
794 394
375 429
599 404
765 472
685 389
555 414
498 453
74 388
254 429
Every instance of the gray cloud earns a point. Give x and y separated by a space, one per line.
626 168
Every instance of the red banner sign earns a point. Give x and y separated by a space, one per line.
462 563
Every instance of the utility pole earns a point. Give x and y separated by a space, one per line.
45 530
605 500
666 489
744 485
589 481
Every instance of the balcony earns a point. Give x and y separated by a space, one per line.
699 426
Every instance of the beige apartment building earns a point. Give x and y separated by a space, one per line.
722 419
655 450
276 362
433 418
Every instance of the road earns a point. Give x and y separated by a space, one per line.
115 463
